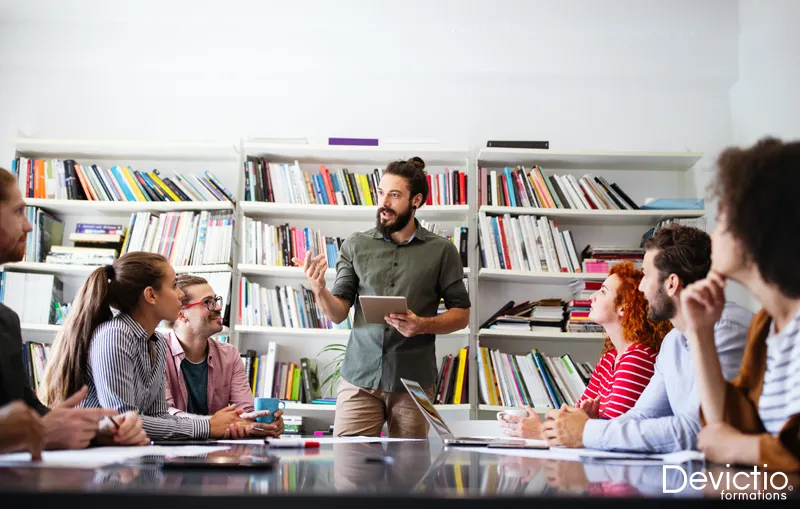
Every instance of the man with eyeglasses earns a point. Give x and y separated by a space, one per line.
204 376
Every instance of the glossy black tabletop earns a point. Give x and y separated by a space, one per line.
371 471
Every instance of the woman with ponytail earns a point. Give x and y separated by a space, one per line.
109 343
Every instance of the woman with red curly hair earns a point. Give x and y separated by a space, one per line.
631 345
629 353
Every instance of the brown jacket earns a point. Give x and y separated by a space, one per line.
781 452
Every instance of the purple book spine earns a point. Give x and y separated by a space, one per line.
366 142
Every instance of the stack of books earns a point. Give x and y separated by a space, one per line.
68 180
183 238
282 306
546 315
288 183
521 187
534 380
48 231
526 243
579 307
265 244
600 259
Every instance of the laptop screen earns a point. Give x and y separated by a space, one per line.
427 408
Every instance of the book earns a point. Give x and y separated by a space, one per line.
518 144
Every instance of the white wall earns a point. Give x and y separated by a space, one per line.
605 74
765 99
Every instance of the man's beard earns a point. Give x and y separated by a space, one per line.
400 221
661 307
14 254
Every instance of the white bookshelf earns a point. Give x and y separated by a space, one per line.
340 221
142 150
341 334
541 336
105 208
345 212
658 174
522 276
589 159
500 408
249 269
603 217
62 269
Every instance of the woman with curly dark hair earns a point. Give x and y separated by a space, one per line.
629 353
755 419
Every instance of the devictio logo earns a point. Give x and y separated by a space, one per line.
755 485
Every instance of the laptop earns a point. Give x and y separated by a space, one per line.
432 415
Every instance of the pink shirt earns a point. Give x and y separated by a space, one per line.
227 380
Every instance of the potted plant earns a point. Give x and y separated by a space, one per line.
338 350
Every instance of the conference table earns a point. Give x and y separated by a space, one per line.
370 475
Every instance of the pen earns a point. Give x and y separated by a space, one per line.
293 444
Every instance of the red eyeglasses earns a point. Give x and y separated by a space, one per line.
211 303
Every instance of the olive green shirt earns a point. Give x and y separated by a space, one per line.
424 270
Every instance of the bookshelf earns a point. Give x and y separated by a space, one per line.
62 269
219 158
590 159
337 221
537 277
668 173
641 174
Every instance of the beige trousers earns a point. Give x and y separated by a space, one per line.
362 412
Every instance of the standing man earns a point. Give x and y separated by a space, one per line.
396 258
63 427
204 376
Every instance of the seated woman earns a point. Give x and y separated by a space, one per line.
629 352
755 419
120 356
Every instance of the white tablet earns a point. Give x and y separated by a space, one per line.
375 308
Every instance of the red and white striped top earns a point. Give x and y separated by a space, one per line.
619 387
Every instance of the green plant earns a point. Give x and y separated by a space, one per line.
333 378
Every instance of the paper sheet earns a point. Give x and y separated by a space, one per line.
561 453
101 456
322 440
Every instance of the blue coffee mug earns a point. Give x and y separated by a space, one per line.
271 404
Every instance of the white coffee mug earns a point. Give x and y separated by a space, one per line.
519 412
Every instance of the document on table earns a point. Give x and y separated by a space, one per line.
101 456
592 455
323 440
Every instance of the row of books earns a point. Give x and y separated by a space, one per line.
282 306
526 243
183 238
287 381
270 245
452 387
288 183
68 180
521 187
36 298
534 380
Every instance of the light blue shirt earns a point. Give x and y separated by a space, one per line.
666 418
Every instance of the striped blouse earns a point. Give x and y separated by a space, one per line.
120 375
780 397
620 387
